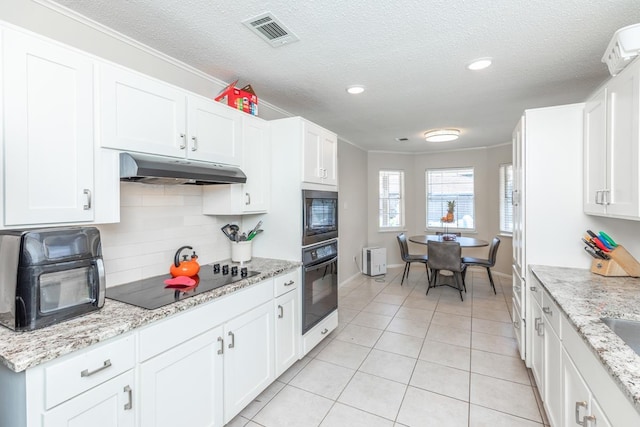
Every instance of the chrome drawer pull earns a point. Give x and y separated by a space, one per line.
129 404
324 331
289 283
516 324
588 419
547 310
578 405
88 373
533 289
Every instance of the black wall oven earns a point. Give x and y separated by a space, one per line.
320 283
319 216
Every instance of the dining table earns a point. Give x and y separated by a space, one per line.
465 242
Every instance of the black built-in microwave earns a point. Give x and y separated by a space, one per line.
319 216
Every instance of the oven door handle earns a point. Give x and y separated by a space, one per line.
322 264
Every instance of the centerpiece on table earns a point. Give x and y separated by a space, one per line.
448 219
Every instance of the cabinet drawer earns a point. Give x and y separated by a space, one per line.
85 369
285 283
551 313
319 332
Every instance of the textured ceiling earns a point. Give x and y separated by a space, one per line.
411 56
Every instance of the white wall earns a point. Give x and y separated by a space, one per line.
352 212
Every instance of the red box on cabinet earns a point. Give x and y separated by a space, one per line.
244 99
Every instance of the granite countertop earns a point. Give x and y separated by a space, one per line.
586 298
23 350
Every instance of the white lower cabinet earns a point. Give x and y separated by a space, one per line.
110 404
580 407
189 374
248 358
552 356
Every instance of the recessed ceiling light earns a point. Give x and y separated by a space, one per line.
355 89
479 64
441 135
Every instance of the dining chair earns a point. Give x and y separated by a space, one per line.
486 263
446 256
409 258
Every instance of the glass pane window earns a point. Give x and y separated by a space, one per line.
450 198
391 199
506 198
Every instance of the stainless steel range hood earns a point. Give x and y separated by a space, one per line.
160 170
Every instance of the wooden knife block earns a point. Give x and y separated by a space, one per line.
621 264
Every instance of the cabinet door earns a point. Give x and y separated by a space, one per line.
214 132
623 96
48 140
552 393
576 394
141 114
107 405
286 348
249 358
537 344
183 386
518 327
518 199
256 164
330 159
595 153
312 157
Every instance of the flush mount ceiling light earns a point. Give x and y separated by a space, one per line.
355 89
479 64
441 135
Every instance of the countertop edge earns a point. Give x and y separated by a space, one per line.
23 350
610 350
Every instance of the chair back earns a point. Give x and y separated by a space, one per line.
493 251
445 256
404 247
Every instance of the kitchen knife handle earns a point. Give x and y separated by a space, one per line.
608 238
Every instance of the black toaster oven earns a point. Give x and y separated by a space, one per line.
49 275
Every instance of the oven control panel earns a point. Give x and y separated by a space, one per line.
320 252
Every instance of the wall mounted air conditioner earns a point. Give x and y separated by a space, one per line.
622 49
374 261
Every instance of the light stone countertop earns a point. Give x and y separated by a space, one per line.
23 350
585 298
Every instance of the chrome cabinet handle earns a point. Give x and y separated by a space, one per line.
547 310
289 283
247 198
194 146
129 404
324 331
87 204
539 326
598 198
232 344
221 349
183 144
281 312
607 194
580 404
588 419
88 373
516 324
533 289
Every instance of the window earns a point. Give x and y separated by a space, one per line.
450 185
506 194
391 199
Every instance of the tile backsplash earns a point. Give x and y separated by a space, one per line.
156 220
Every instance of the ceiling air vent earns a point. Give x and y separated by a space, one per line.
270 29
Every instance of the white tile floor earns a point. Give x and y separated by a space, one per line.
403 358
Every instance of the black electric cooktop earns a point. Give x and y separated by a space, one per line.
152 293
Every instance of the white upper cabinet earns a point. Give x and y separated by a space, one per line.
142 114
611 153
48 132
214 132
253 196
320 155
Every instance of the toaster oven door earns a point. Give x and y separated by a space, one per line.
56 292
